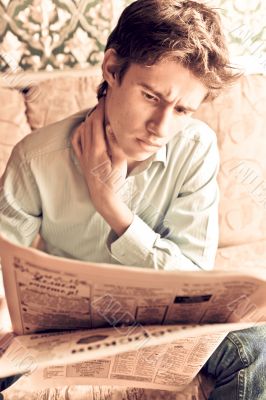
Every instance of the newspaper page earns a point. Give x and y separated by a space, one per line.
46 293
145 357
54 293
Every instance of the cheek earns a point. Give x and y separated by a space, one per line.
128 117
121 122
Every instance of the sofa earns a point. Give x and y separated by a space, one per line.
238 117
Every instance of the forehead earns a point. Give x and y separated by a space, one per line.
170 79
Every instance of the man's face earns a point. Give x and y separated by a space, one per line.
150 106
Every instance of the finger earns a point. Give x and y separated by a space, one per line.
85 129
76 142
109 139
86 136
82 139
98 132
116 151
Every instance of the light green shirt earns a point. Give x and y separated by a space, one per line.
173 195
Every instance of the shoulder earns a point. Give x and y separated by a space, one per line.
195 137
49 139
197 132
193 146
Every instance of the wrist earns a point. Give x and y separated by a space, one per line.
117 214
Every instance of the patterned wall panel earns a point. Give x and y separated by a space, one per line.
245 25
62 34
46 35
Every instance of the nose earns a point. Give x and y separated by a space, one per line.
159 123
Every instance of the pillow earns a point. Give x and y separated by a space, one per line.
238 117
55 99
13 122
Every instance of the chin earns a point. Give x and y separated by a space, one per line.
138 156
146 156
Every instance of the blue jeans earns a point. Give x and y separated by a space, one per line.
6 382
239 366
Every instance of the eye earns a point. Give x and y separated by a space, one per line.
181 111
150 97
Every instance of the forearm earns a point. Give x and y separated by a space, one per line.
141 246
117 214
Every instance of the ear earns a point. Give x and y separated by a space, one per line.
110 67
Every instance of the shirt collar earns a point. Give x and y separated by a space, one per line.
160 156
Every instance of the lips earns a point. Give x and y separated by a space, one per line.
147 143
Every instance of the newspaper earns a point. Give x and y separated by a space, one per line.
85 323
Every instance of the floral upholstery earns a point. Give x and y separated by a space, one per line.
238 117
55 99
13 122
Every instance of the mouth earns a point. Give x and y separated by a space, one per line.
148 145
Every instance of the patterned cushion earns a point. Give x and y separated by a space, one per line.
13 122
238 117
55 99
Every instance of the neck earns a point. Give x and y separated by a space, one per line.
131 164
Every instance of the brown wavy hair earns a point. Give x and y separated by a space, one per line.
188 32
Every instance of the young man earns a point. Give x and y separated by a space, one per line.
133 181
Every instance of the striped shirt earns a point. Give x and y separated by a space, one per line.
173 196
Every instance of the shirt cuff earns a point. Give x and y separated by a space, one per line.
135 245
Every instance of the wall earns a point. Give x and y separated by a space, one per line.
63 34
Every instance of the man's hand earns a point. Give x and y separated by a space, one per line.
104 166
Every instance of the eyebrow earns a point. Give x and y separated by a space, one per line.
162 97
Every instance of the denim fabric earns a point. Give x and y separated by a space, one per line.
238 366
6 382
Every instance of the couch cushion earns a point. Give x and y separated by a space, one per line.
55 99
13 122
239 119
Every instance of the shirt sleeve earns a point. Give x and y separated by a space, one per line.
20 205
188 235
